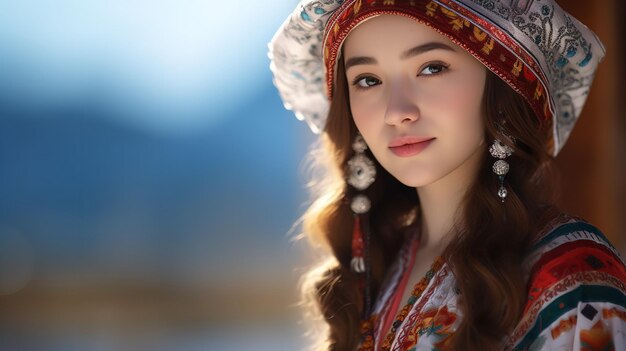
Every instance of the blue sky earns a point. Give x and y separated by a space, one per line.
169 65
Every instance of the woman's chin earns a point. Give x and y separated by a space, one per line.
414 180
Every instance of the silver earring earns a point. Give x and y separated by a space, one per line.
501 167
361 174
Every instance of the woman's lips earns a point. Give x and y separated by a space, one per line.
409 146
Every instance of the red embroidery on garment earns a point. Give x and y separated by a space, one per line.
570 259
598 338
415 316
564 326
613 312
436 323
534 307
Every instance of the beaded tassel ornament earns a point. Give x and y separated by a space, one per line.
361 174
501 167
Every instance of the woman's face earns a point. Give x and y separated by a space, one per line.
408 83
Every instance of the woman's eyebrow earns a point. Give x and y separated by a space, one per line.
420 49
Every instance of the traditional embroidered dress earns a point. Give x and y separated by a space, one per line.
576 297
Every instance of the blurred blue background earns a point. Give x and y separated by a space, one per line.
149 178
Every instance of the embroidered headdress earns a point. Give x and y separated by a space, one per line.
540 50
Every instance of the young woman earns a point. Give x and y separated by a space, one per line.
439 122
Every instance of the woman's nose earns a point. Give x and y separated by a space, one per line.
401 107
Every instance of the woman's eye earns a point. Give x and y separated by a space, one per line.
434 68
365 82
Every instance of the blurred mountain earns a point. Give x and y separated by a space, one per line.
90 194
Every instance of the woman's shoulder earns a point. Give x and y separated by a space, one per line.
567 233
573 254
576 289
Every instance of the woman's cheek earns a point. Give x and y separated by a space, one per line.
363 111
465 103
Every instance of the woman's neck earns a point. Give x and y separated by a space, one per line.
440 201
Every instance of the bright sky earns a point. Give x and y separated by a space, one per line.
169 64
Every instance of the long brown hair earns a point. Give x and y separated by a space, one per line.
485 253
